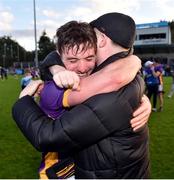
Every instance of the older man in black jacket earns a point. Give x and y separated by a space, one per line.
96 133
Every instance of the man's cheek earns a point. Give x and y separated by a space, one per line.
71 67
92 65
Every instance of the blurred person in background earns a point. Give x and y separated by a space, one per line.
3 72
26 79
158 72
152 83
172 85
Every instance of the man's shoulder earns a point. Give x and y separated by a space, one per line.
51 59
52 56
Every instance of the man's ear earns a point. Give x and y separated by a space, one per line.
102 40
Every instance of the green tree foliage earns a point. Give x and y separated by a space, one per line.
11 51
45 46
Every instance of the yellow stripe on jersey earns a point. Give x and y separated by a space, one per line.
50 159
65 98
66 172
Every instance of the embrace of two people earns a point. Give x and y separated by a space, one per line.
94 114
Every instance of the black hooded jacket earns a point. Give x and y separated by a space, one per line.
51 59
96 133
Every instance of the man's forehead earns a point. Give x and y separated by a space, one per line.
75 50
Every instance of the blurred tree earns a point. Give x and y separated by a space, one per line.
45 46
11 51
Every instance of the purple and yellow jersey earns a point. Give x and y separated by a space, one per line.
48 160
53 99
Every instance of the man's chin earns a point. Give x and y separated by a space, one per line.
81 76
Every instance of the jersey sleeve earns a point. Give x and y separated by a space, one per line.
51 99
65 98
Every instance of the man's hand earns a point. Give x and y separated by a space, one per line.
67 79
141 115
31 88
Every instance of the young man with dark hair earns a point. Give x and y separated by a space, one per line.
77 42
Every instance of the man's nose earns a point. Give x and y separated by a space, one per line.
82 67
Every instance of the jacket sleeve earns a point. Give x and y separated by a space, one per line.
51 59
78 128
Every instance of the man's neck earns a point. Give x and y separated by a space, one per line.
107 52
